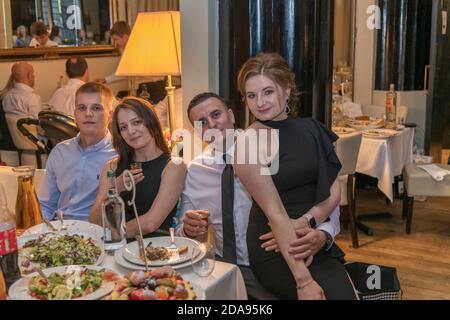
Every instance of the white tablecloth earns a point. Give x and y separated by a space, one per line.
225 282
385 158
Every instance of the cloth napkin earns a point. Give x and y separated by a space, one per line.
352 110
436 172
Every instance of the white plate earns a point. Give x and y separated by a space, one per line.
72 226
400 127
364 124
23 239
343 130
19 289
380 133
131 251
118 257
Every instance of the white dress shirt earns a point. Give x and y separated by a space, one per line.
22 100
48 44
63 99
203 190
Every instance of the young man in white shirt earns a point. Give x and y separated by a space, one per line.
40 35
63 100
21 99
203 191
74 166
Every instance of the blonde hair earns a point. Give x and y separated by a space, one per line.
274 67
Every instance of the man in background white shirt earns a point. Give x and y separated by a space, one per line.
203 191
21 99
63 100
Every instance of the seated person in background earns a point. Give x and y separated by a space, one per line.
83 39
21 38
74 166
40 35
55 35
203 190
138 137
63 100
21 99
120 33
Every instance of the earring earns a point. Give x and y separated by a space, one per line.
287 109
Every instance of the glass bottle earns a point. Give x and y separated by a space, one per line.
28 208
113 216
391 104
9 254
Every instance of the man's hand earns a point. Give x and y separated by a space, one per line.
138 176
193 225
309 242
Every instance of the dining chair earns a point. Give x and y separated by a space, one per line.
347 149
21 142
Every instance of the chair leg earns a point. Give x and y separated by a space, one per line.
405 205
351 209
20 157
409 213
38 159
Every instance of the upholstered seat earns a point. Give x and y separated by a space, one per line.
418 182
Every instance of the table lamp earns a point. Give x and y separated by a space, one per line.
153 49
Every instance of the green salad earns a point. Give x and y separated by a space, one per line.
73 284
51 250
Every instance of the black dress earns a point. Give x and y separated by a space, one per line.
308 166
146 192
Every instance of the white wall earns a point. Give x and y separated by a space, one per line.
199 47
48 72
365 50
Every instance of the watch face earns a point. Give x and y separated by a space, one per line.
312 222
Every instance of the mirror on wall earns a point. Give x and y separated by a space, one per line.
343 52
70 23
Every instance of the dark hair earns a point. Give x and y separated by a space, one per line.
38 28
274 67
120 28
76 67
96 87
202 97
145 111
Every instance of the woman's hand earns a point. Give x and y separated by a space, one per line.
310 291
138 176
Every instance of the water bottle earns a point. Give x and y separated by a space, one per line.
113 216
9 253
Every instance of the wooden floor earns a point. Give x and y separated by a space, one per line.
422 259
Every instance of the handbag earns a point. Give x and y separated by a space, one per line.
374 282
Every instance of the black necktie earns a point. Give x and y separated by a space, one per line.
229 238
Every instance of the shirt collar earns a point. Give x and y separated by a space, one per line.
23 86
106 141
75 82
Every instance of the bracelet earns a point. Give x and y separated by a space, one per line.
299 287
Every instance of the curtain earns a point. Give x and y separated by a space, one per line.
343 33
133 7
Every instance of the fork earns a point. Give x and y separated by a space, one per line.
173 249
60 215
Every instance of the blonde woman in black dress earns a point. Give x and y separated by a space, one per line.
304 186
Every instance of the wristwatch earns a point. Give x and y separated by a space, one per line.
328 242
311 220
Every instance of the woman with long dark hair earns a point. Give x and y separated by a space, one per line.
138 138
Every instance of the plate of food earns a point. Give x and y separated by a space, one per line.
343 130
158 252
371 123
65 283
53 250
72 226
162 283
380 133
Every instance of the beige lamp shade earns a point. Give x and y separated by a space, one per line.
153 48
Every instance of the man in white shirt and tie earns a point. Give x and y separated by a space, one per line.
203 192
21 99
63 100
